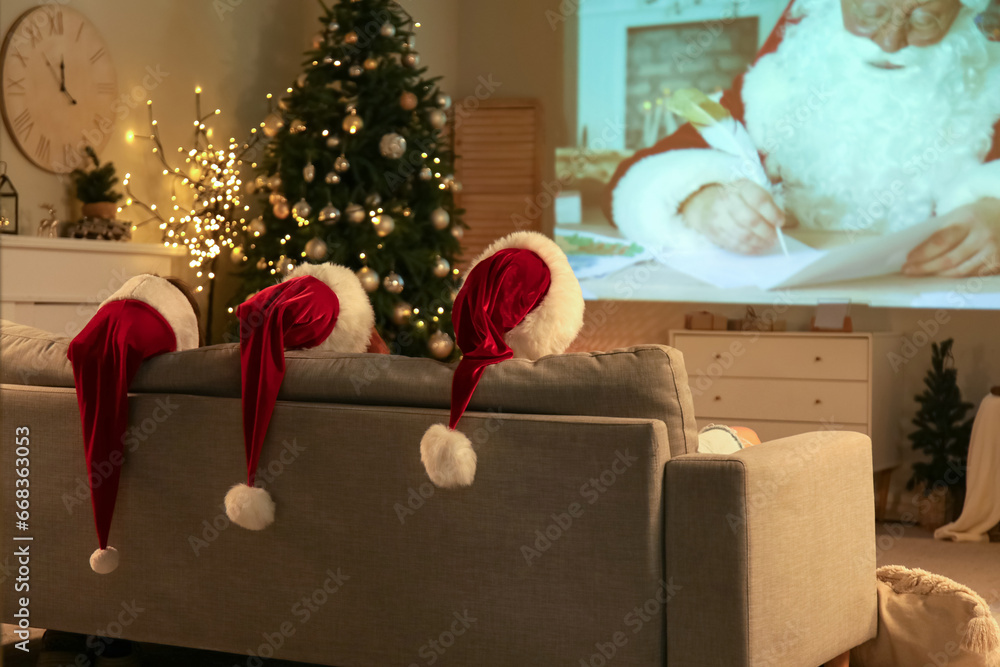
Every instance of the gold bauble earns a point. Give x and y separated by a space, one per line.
440 345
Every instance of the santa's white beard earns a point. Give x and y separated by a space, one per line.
860 147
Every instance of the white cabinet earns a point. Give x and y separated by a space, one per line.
57 284
785 383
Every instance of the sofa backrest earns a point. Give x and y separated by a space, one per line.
644 382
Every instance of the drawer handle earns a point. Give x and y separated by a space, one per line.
718 356
718 398
819 358
818 401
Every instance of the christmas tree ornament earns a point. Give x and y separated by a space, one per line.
371 64
309 173
411 42
374 200
520 300
257 227
441 267
284 103
426 174
283 264
251 187
384 224
281 210
351 38
327 60
392 146
273 124
301 80
332 178
443 101
260 182
341 164
262 264
332 26
437 118
401 313
353 123
329 214
316 249
440 218
354 213
332 141
236 256
448 181
408 101
355 71
298 126
369 278
411 60
274 181
302 209
275 197
440 345
393 283
457 232
387 30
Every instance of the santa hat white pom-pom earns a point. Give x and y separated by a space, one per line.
103 561
250 507
448 457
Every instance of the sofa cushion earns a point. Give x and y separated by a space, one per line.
646 382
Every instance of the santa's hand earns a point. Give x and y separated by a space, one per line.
739 217
968 245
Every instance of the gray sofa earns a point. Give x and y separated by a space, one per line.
593 533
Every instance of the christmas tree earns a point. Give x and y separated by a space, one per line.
358 171
943 432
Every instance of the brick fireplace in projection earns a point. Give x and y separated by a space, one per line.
631 53
665 58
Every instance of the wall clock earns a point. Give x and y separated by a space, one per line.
58 87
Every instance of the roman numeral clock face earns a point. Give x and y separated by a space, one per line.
58 87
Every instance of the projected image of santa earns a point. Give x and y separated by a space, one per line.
870 116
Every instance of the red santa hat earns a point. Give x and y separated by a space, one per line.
146 317
519 299
321 306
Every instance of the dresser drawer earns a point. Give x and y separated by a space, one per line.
800 357
775 430
783 400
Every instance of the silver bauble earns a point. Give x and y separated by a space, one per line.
384 224
392 146
393 283
440 218
327 60
443 101
309 172
302 209
274 181
353 123
281 210
298 126
437 118
341 164
355 70
332 178
237 255
440 345
401 313
457 232
426 174
316 249
332 26
273 124
261 264
387 30
257 227
332 141
373 200
368 278
411 60
441 267
329 214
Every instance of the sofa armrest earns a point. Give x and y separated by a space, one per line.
771 553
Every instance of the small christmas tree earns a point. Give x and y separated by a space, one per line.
358 172
943 432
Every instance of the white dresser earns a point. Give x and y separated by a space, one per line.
785 383
57 284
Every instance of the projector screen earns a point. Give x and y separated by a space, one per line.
749 151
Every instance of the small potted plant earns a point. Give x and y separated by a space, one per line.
95 188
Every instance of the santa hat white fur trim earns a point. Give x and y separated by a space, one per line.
551 327
250 507
167 300
356 319
104 561
448 457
